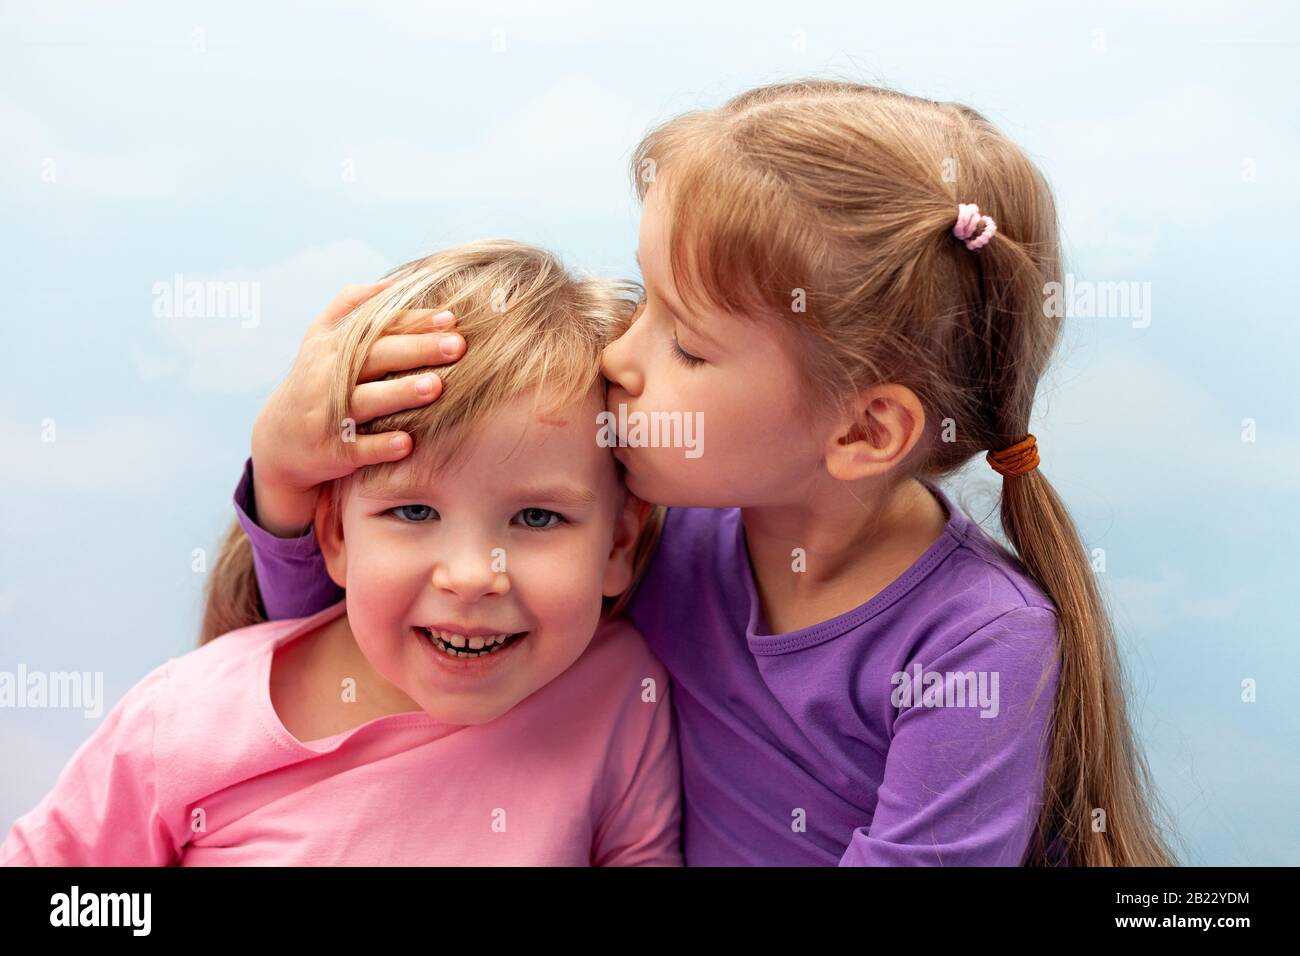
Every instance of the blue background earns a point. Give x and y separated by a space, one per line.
211 140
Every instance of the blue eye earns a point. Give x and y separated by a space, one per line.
685 357
412 514
537 519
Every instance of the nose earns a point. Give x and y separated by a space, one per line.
618 362
472 573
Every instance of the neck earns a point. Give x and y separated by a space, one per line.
856 539
341 657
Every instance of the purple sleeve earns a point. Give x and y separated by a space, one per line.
961 789
291 572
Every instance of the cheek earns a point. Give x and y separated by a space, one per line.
727 411
730 401
750 440
754 412
383 577
559 585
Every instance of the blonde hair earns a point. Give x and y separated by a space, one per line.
531 329
846 195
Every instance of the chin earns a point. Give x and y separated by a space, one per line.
645 490
654 489
631 479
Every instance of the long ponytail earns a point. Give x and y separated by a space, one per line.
1100 808
1100 805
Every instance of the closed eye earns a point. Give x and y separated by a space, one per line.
683 356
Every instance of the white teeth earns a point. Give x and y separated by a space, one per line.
478 642
458 645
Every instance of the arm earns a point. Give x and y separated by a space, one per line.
103 810
643 825
291 573
960 789
297 448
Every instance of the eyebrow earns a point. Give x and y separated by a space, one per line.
676 307
572 496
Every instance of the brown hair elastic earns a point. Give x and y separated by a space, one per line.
1016 460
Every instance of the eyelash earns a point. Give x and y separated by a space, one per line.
561 519
683 356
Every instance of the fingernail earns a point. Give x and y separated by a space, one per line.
441 317
450 344
397 442
424 384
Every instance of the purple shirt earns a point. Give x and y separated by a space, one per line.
911 730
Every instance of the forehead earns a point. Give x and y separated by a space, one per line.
654 256
653 252
768 343
524 430
652 236
518 444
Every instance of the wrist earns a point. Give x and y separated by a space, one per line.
284 512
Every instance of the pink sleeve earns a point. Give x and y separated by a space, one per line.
103 810
642 825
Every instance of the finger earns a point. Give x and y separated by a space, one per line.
373 449
398 353
373 399
348 299
420 320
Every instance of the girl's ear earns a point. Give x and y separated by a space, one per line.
887 423
328 525
627 533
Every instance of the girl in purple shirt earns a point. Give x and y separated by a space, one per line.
846 300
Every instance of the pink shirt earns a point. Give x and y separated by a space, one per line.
193 767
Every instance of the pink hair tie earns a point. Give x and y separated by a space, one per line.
968 217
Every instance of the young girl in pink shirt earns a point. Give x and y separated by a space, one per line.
850 297
472 700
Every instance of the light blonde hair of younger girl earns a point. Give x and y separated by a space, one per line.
848 194
531 329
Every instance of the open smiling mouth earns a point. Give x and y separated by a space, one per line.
458 645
